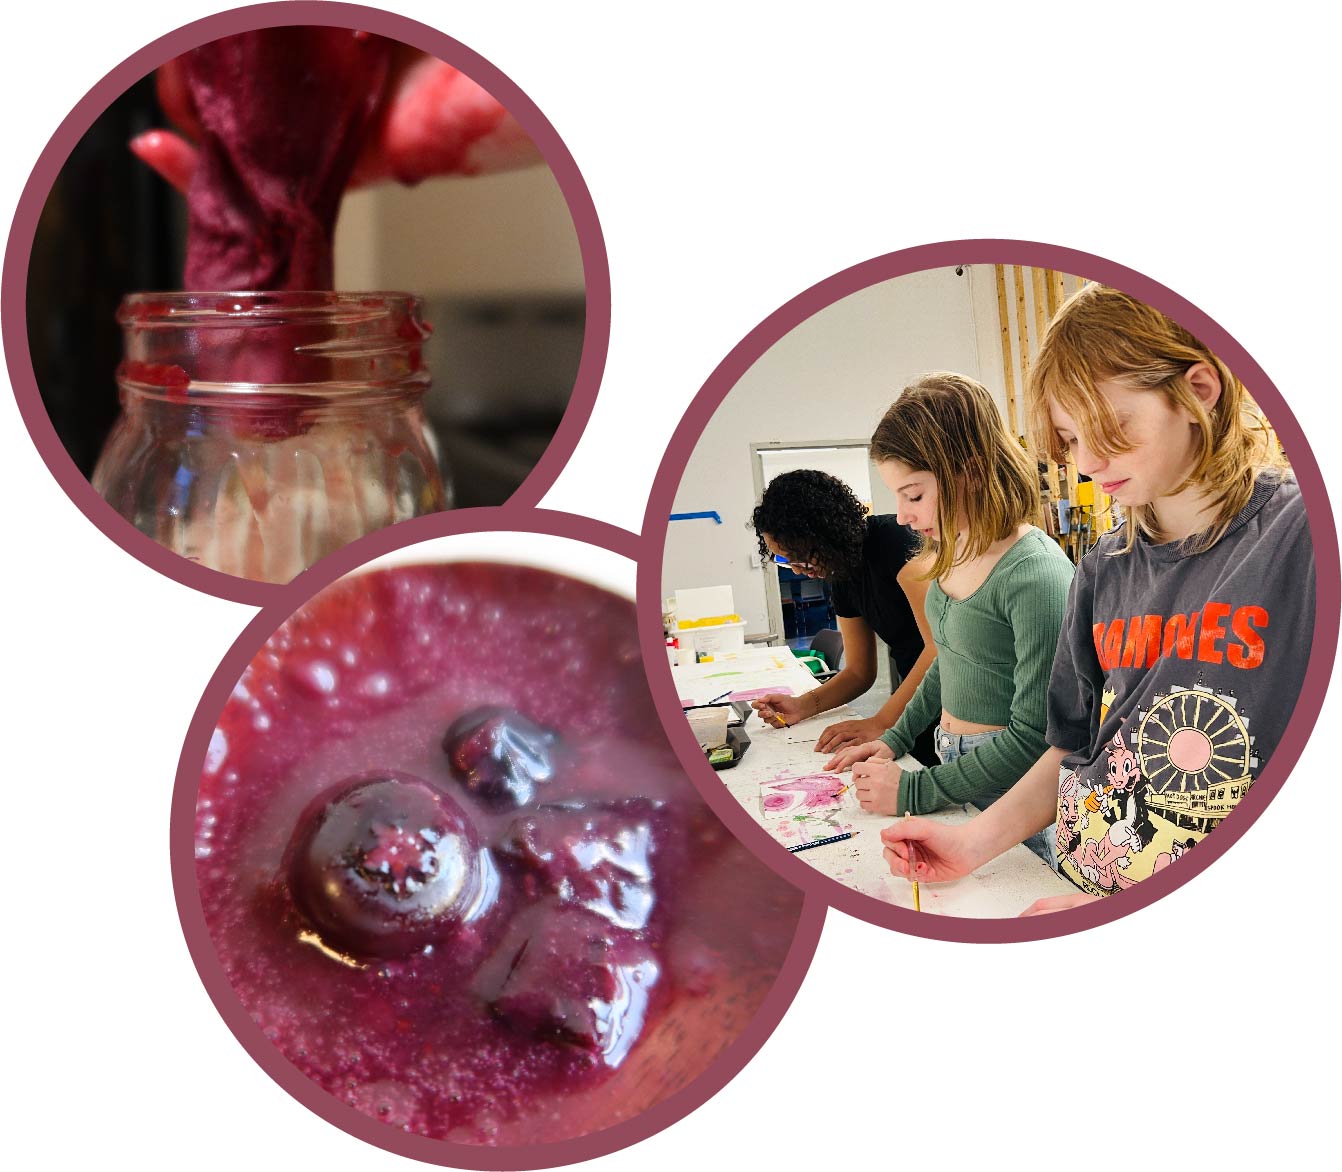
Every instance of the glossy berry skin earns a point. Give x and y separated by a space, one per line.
593 854
386 864
564 975
482 1040
500 756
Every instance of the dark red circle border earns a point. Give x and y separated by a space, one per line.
13 282
898 264
288 598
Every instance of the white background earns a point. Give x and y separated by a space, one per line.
737 154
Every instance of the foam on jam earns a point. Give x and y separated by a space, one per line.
454 872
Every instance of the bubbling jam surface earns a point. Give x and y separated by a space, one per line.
454 872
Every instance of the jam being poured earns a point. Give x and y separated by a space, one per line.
454 872
281 115
275 124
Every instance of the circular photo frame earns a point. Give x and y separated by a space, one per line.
777 414
583 345
726 976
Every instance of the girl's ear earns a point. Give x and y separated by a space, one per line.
1205 383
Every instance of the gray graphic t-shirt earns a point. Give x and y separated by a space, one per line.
1175 676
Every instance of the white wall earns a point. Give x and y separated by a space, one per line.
488 235
829 379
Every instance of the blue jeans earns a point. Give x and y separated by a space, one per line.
949 747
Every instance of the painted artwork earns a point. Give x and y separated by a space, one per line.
783 677
805 808
757 693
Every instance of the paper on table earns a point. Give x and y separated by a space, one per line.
756 693
740 682
807 807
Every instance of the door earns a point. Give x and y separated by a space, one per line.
844 459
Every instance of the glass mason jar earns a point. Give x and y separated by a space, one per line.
261 431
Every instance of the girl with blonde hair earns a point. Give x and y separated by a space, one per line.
995 600
1188 627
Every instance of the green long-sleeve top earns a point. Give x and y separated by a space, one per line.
995 651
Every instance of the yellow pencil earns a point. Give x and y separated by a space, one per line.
913 863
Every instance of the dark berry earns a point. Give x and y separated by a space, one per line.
562 974
500 755
385 864
592 854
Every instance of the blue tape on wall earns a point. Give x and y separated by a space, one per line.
696 517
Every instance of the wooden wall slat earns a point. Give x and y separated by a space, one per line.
1004 325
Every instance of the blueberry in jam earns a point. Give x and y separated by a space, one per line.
383 865
563 973
532 936
500 755
593 854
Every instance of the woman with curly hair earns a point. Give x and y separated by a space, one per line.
815 522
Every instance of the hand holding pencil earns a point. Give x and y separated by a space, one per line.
778 709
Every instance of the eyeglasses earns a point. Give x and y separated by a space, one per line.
791 565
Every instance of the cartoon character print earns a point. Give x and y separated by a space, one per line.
1121 827
1173 855
1072 816
1124 789
1104 860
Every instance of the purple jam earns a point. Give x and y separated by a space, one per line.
454 872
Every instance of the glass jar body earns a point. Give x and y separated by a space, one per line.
261 492
281 435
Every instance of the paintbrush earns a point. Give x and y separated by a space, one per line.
913 869
707 703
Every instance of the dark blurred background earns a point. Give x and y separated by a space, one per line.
495 258
109 227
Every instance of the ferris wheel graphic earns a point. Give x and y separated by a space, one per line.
1193 739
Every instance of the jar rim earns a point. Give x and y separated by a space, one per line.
190 345
196 308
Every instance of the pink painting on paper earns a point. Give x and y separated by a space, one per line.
802 809
756 693
817 791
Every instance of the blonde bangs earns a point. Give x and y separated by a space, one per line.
1070 385
1100 334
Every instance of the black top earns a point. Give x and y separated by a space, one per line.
874 594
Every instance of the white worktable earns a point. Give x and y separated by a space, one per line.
1002 888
